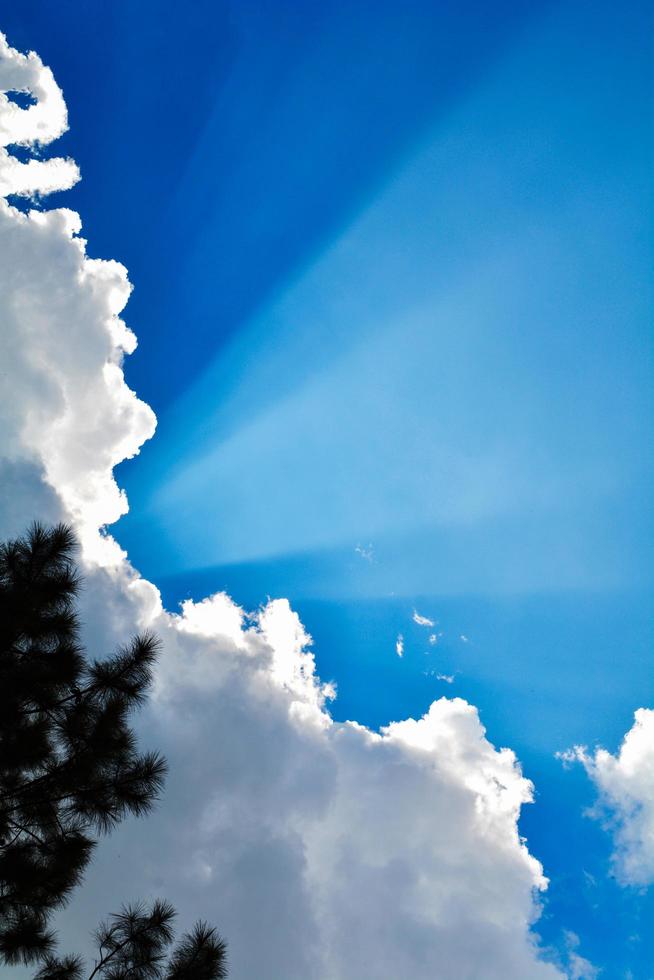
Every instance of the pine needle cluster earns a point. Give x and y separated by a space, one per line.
70 770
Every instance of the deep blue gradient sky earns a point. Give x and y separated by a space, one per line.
393 299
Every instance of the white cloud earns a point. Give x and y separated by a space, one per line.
35 124
367 552
626 798
399 645
322 850
422 620
448 678
577 966
66 408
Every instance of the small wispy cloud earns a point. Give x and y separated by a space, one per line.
330 691
422 620
445 678
366 551
579 968
464 638
589 879
399 645
433 639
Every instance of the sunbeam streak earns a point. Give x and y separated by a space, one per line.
382 388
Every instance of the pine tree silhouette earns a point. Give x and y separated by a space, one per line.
134 945
70 770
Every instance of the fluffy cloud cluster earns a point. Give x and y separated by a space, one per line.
322 850
626 798
34 125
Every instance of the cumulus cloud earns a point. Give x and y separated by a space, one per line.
322 850
35 125
626 798
399 645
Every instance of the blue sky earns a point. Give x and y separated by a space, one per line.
393 300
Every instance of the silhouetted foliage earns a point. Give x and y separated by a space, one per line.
134 944
70 771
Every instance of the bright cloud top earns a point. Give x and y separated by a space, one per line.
626 798
322 850
36 124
